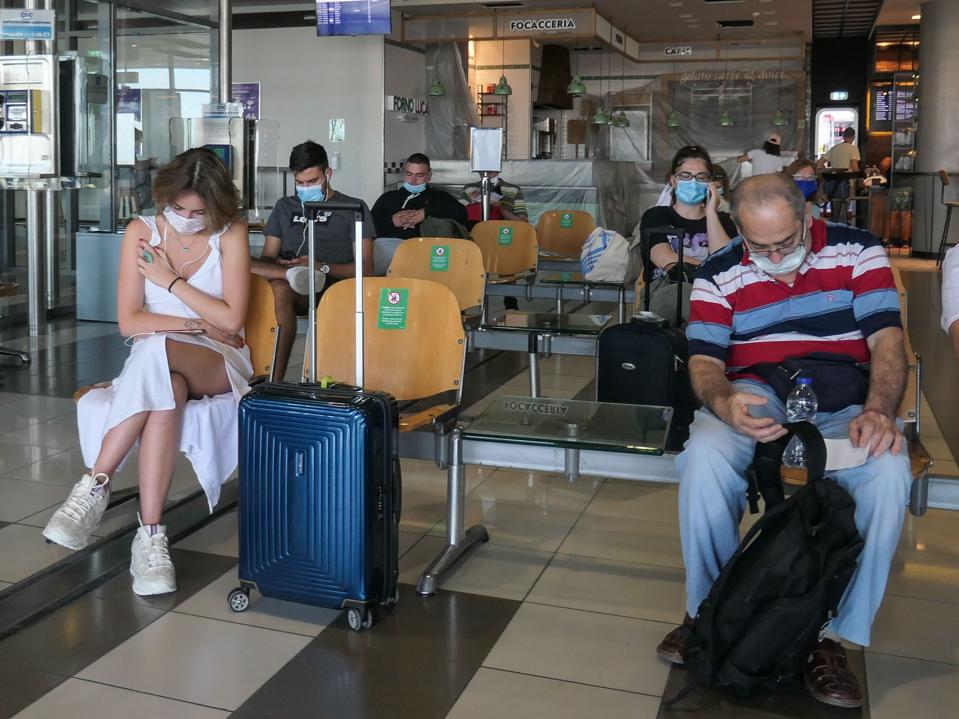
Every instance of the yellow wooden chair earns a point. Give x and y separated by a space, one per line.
454 263
562 232
414 347
509 249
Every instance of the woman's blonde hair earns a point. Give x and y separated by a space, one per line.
201 171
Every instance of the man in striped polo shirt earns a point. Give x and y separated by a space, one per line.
787 287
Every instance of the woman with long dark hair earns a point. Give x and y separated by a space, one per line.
694 220
181 300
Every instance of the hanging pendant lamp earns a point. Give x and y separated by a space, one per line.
502 87
725 120
437 89
621 120
576 88
672 119
600 117
779 119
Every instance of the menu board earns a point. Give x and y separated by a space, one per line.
886 105
880 108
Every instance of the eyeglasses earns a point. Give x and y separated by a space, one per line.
798 176
701 176
783 248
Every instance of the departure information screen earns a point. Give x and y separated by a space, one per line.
352 17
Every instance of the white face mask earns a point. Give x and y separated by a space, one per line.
184 225
788 264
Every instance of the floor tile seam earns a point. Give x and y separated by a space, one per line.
617 559
528 505
150 694
626 516
565 537
175 610
542 603
904 553
867 650
920 659
939 602
570 681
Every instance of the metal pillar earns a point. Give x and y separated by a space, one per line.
226 51
36 235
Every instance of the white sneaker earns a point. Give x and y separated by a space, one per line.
71 525
150 565
299 279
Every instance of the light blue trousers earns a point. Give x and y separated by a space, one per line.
712 498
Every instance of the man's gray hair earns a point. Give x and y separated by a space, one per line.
762 189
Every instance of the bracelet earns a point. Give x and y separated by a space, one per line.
170 286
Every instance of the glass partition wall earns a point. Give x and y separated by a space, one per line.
152 62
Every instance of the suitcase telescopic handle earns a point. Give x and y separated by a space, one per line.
313 208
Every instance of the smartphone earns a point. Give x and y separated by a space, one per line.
287 255
191 331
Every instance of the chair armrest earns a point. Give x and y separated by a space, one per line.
440 413
86 388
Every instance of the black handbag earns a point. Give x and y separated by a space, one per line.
836 379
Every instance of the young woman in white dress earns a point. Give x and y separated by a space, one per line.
181 299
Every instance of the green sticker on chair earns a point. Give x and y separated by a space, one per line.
440 259
506 235
566 220
392 314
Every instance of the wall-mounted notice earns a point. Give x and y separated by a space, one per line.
23 24
248 95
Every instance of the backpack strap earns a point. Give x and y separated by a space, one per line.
815 448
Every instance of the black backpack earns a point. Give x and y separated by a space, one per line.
764 613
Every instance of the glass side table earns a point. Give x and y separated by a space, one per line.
509 422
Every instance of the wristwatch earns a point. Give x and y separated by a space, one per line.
325 268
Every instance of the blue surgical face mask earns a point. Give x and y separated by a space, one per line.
690 192
808 188
415 189
311 193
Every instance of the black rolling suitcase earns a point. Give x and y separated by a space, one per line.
320 484
644 361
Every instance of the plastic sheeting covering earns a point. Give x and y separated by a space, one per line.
628 166
452 115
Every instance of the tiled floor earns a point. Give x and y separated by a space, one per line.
557 616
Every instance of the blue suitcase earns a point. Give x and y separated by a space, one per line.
320 482
319 498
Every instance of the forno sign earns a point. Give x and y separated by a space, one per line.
399 103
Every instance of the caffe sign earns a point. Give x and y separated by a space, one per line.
679 50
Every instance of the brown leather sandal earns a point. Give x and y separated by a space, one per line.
829 678
673 645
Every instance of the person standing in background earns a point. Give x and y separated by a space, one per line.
768 158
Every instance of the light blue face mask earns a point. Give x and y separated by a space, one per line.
312 193
690 192
415 189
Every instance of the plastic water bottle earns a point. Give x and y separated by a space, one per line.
801 405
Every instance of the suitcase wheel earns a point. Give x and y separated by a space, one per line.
239 599
359 619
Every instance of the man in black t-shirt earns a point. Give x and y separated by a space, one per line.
285 253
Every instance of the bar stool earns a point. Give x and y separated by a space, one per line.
948 204
7 289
